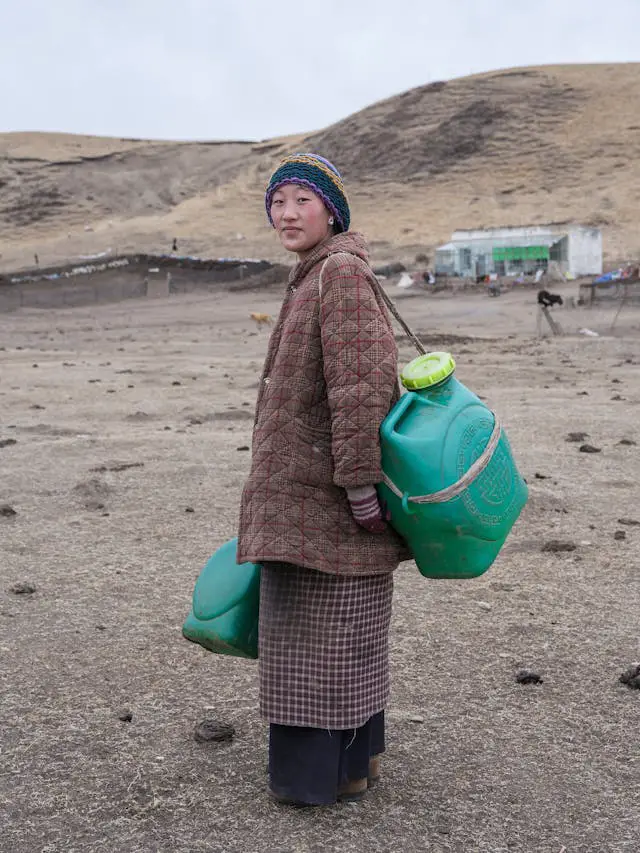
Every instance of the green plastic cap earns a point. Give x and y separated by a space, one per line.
427 370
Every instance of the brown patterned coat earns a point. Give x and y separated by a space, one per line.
329 380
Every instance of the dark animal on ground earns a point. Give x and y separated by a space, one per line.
547 299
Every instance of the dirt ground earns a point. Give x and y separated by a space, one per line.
475 760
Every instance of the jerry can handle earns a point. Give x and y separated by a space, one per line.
398 412
406 506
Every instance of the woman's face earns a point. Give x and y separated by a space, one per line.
300 218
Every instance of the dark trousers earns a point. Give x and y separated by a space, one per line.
309 765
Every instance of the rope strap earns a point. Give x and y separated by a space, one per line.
392 308
387 301
457 488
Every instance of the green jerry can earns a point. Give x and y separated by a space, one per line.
450 481
226 599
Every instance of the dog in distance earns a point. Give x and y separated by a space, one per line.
261 319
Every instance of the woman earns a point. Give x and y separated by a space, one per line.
310 512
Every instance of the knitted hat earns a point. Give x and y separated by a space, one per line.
319 175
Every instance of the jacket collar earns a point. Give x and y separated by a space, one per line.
349 241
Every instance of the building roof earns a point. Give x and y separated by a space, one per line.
512 240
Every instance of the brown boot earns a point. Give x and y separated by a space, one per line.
355 789
374 769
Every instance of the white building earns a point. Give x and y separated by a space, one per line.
510 251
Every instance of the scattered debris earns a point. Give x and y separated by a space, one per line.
416 718
243 447
619 535
94 504
577 436
7 442
627 442
189 509
629 522
406 280
528 676
213 730
539 476
176 382
558 546
125 715
631 676
116 466
23 588
92 493
589 448
7 511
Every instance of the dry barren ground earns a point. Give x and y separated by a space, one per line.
475 761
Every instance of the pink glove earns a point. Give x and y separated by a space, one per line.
366 509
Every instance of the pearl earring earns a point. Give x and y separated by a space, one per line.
331 220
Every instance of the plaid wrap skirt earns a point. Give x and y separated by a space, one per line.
323 646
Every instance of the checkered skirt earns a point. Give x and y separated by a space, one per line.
323 646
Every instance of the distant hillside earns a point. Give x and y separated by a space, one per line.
512 147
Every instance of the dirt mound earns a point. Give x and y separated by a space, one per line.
431 129
150 178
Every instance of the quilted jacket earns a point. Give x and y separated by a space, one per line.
329 380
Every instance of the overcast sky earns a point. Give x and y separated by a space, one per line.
253 69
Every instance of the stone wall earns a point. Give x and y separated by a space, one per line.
128 278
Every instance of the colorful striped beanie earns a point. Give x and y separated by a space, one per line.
319 175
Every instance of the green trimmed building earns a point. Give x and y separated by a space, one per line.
516 251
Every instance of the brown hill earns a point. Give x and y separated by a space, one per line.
513 147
